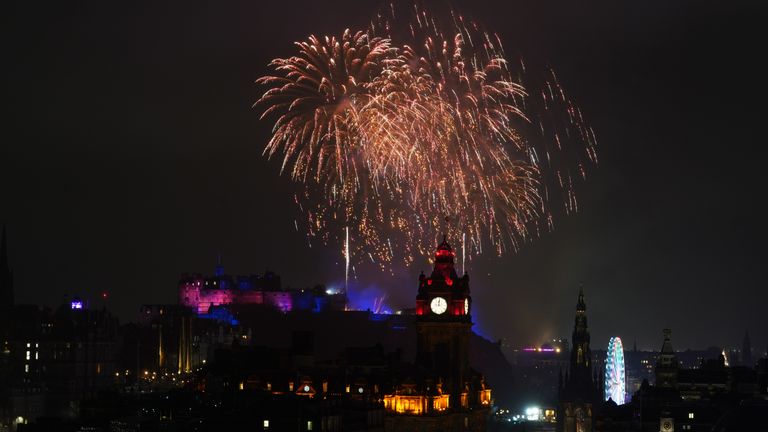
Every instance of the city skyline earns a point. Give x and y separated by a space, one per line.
145 162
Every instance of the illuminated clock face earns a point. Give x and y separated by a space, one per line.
438 305
466 306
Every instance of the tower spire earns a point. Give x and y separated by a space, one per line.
581 354
581 387
581 306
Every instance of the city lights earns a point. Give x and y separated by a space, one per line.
533 413
268 217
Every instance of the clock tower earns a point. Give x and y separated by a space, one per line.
440 392
443 322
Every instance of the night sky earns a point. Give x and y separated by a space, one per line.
130 154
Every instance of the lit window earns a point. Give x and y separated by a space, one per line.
360 390
36 355
690 415
309 425
27 355
28 344
266 424
26 368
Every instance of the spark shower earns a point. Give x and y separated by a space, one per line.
420 125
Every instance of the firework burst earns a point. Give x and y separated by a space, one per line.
399 139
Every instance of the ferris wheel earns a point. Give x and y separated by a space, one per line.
615 378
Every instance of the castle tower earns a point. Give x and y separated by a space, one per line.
581 391
444 322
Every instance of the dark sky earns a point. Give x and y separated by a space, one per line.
130 154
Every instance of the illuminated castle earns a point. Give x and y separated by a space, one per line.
208 295
441 392
202 292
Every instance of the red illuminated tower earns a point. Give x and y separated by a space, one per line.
444 322
441 392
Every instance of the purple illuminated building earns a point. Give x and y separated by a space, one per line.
201 293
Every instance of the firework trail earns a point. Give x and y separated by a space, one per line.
379 305
422 126
346 260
